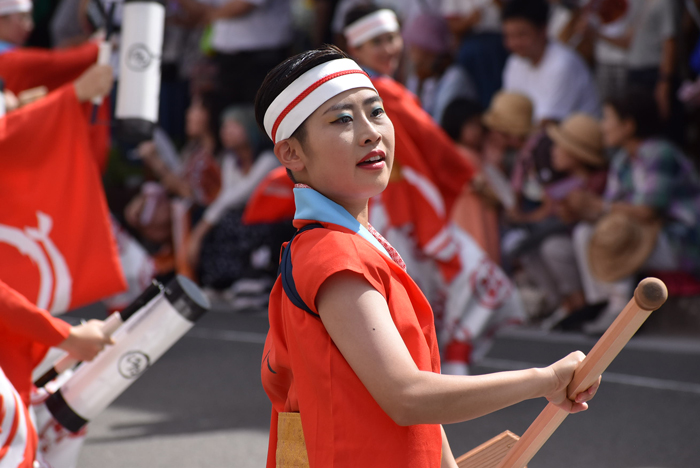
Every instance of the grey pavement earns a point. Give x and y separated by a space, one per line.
202 404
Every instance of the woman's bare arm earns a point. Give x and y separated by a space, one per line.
358 320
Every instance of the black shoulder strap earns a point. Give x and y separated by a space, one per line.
285 271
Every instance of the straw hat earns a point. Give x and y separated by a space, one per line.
620 246
509 113
581 136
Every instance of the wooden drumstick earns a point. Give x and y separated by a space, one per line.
650 294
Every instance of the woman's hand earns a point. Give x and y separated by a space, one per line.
86 340
562 373
95 82
584 205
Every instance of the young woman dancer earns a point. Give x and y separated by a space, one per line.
351 360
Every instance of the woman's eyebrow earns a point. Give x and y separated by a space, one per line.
341 106
338 107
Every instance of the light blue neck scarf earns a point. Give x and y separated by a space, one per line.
312 206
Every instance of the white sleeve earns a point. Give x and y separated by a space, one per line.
509 74
565 92
237 195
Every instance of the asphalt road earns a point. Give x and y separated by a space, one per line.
202 404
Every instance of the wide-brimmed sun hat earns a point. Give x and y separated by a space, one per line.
620 245
581 136
509 113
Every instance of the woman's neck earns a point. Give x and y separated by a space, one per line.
206 141
358 208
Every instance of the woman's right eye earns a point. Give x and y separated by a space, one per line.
343 119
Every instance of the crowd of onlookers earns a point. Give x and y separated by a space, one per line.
580 117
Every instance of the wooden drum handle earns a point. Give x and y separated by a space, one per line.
650 294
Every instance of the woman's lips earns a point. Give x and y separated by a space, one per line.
373 160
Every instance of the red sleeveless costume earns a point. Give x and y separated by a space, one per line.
303 371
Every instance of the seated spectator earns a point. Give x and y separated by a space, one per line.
222 248
476 214
534 238
462 122
649 216
199 177
554 77
476 25
436 80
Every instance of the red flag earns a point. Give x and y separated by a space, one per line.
56 244
23 68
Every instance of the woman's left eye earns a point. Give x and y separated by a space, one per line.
377 112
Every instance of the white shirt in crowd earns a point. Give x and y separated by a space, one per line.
558 86
268 26
657 21
237 187
490 13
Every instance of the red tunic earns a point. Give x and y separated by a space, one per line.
303 371
26 334
24 68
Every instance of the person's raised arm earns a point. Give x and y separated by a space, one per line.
358 320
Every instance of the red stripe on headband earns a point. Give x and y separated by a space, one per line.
306 92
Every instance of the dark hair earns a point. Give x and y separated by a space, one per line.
359 12
457 113
638 105
533 11
283 75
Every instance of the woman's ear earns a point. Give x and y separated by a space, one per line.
287 153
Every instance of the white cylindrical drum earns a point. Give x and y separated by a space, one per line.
15 426
140 53
140 342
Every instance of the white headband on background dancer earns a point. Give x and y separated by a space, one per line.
308 92
370 26
8 7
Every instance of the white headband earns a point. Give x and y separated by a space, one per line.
370 26
8 7
308 92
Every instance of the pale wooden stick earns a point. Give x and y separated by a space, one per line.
650 294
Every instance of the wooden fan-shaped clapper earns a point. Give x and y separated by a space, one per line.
505 450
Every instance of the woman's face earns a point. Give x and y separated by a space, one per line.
562 161
348 151
472 134
616 132
382 54
233 134
197 119
16 27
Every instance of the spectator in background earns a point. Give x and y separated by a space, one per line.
649 215
248 37
462 122
577 153
473 212
554 77
222 248
534 238
435 79
476 24
200 176
652 59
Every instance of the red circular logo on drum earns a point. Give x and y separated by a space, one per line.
490 284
